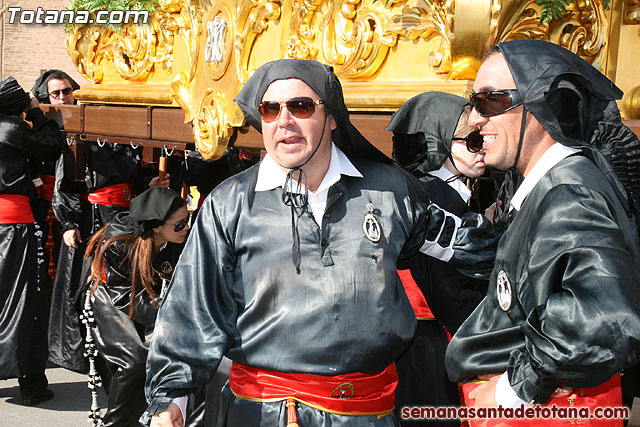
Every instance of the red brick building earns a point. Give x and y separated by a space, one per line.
26 50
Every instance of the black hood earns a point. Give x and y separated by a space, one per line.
323 81
149 209
422 131
575 103
564 92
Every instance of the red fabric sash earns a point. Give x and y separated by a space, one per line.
46 189
347 394
605 395
415 295
15 209
118 195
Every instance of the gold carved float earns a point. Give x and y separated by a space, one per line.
197 54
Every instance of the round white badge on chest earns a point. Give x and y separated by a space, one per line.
503 290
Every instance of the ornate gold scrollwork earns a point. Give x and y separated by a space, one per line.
631 12
183 16
88 47
631 103
301 41
211 128
140 47
424 20
583 30
135 50
253 19
366 51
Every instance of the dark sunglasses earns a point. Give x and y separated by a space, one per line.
474 141
180 225
301 108
493 102
56 93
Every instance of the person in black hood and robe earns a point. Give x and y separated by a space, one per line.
562 314
132 257
430 140
290 269
23 298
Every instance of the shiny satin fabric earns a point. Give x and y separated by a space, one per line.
121 341
66 331
104 165
233 291
236 412
19 296
18 142
22 345
451 296
422 131
571 258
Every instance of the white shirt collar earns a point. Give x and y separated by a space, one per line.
554 154
270 175
457 184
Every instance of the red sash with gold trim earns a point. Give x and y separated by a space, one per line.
605 395
15 209
347 394
118 195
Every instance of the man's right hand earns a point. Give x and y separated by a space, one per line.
71 238
170 417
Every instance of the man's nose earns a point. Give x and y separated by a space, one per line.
476 119
285 118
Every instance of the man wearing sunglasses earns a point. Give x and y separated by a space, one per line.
291 269
561 317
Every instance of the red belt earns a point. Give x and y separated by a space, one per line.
15 209
46 189
605 395
347 394
118 195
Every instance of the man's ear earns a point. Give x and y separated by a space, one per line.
333 122
156 229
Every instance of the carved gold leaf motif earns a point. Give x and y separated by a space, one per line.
408 45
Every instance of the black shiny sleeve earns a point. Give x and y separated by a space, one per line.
582 296
44 141
69 207
196 321
468 243
474 247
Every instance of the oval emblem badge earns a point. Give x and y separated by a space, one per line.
166 268
503 290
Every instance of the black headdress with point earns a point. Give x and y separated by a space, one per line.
422 131
575 103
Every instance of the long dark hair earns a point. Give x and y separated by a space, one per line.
139 251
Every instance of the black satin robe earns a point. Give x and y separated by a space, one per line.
23 315
235 291
571 258
105 165
451 296
121 342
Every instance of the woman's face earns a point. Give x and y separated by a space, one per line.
167 231
467 163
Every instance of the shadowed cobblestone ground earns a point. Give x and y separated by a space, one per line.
69 407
